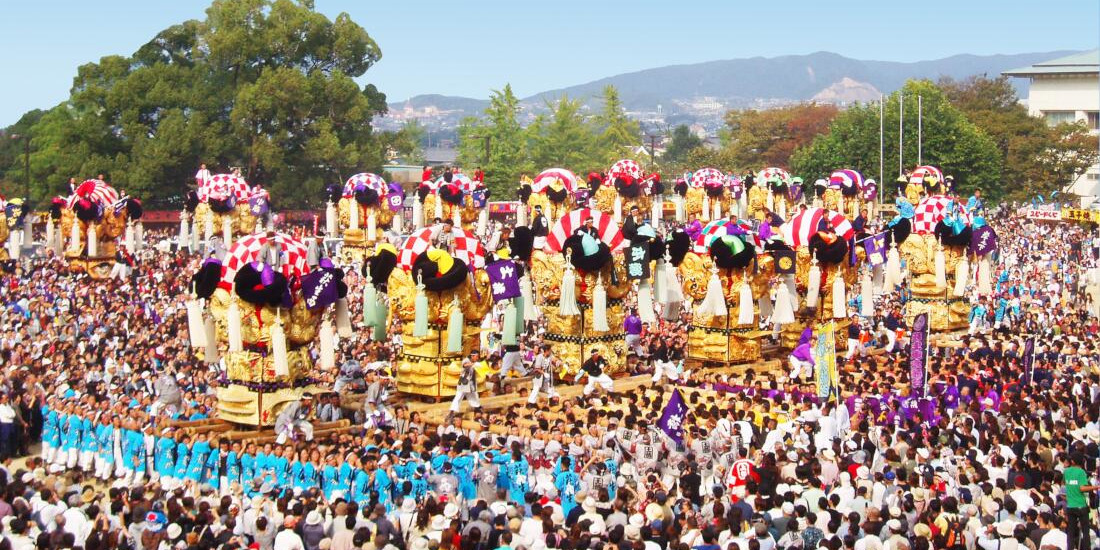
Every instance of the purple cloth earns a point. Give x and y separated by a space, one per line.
694 229
804 353
632 324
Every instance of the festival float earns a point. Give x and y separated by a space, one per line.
725 277
226 206
923 181
761 199
582 281
706 194
554 191
849 193
939 242
440 296
93 217
824 267
628 188
264 308
12 217
359 212
455 197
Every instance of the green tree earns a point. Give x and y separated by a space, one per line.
564 139
950 142
760 138
262 84
617 131
680 145
497 143
1035 158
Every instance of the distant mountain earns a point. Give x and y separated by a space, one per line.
703 91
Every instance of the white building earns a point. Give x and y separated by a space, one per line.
1067 89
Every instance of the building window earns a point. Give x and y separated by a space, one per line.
1094 120
1055 118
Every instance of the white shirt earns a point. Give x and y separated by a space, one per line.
7 414
288 540
1055 538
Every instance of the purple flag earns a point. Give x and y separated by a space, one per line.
319 289
480 197
258 206
503 279
395 197
672 419
794 192
918 355
983 241
876 249
580 196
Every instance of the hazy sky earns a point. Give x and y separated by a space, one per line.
469 47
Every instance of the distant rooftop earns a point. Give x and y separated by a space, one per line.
1078 63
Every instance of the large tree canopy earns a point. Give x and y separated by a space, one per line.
266 85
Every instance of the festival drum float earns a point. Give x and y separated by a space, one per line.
581 281
848 193
451 197
440 296
226 206
360 211
937 253
265 309
628 189
553 190
725 277
706 194
91 219
821 240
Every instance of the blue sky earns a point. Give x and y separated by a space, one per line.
470 47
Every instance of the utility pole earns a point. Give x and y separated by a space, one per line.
652 149
488 148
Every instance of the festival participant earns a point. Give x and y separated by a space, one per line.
294 420
467 385
593 369
801 359
542 370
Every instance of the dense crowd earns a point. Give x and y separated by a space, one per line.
99 387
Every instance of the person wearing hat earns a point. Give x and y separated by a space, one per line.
294 422
467 385
632 222
593 368
542 370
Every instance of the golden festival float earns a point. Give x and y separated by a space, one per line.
455 197
436 287
224 206
93 217
706 194
945 250
849 194
257 311
14 234
553 192
725 277
629 188
582 283
360 211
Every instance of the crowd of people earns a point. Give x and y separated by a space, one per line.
100 392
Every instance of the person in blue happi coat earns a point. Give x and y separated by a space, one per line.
568 483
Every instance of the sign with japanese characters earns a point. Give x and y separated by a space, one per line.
503 280
637 261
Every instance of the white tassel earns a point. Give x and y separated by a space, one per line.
208 228
660 283
210 330
259 227
271 222
454 326
13 244
599 307
705 214
139 236
765 305
717 209
840 204
93 242
714 303
658 211
74 236
840 300
866 295
343 319
328 346
279 353
770 203
128 237
456 215
813 284
567 304
233 324
781 209
330 219
617 209
353 214
940 262
508 324
521 215
438 207
782 312
418 214
645 303
680 215
397 221
962 276
745 313
49 232
194 236
483 221
528 295
672 288
420 312
372 226
893 269
985 278
227 231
